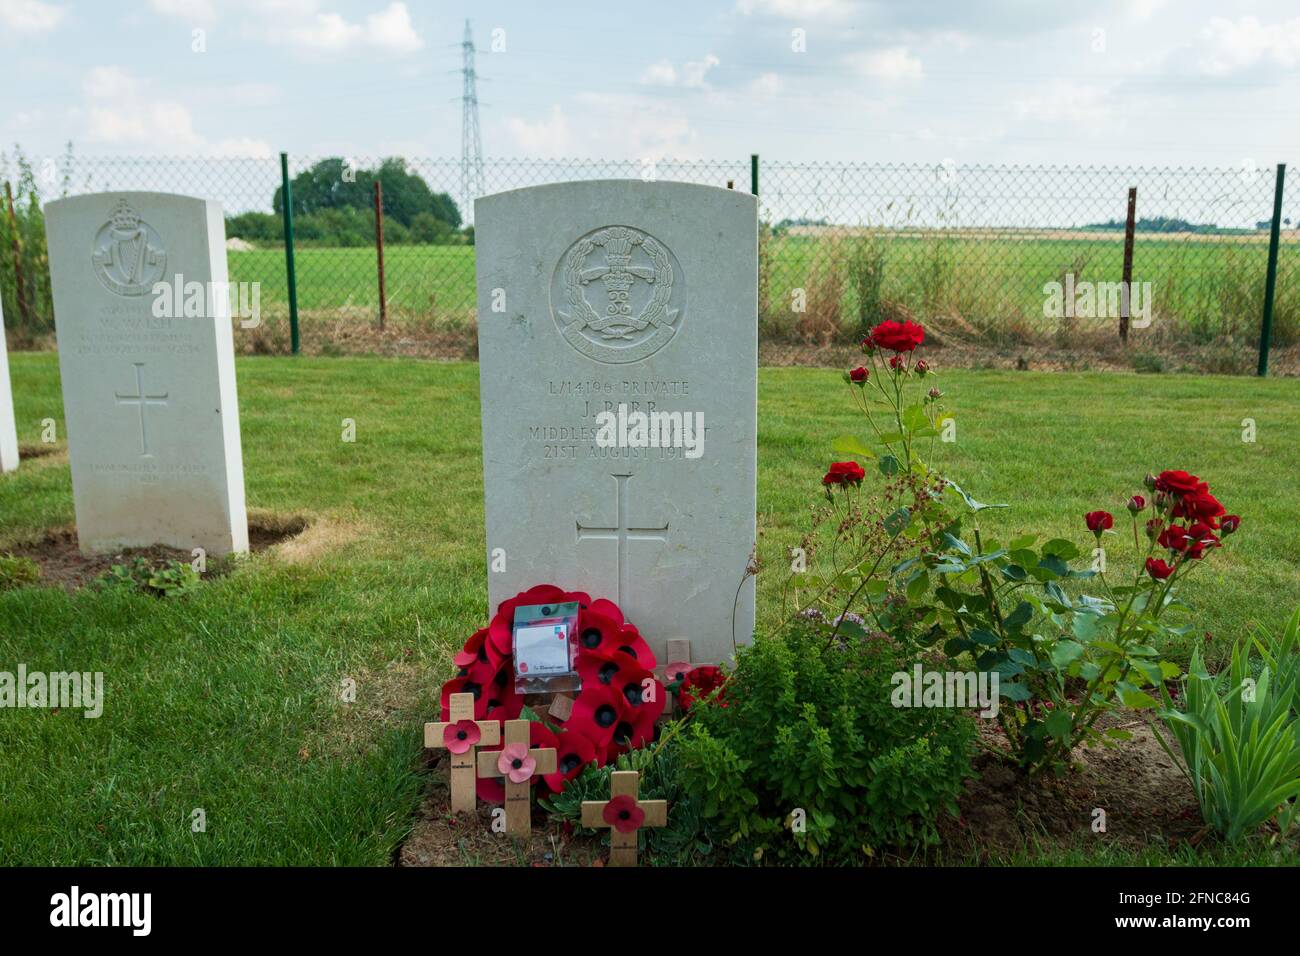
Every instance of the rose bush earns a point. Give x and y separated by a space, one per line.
922 571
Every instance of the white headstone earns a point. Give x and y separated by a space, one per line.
628 298
146 355
8 429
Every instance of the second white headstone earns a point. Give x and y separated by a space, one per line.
146 354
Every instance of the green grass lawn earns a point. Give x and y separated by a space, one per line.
228 700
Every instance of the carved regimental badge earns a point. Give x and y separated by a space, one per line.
128 255
644 295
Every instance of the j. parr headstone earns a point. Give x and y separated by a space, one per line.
618 341
8 429
146 355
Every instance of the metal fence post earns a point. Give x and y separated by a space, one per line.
753 173
1270 278
379 251
287 212
1126 291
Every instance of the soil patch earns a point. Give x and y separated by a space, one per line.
1146 799
438 838
63 565
28 452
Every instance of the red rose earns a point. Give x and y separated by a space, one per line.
896 362
1177 482
922 366
1136 504
1229 523
1197 550
1174 538
1158 569
1099 521
868 346
897 336
699 683
859 375
1199 505
844 472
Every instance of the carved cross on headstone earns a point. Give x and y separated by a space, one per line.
523 763
142 400
624 814
622 532
462 735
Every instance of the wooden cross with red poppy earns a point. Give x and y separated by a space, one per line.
624 814
461 736
517 764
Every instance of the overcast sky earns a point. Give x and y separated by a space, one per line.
1137 82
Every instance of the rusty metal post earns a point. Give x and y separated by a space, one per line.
20 285
1126 290
379 251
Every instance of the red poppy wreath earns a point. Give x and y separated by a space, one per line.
612 713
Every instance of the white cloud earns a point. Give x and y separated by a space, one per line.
327 33
659 74
768 84
591 131
242 147
1241 44
892 64
388 31
695 71
122 110
29 16
392 30
546 138
693 74
195 11
796 9
1142 10
1065 102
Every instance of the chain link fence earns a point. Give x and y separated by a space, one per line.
1000 262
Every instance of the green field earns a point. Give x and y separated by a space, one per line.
227 700
1203 288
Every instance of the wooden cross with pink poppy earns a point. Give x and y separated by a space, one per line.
624 814
518 765
460 736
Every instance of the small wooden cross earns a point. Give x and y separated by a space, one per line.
624 814
519 815
456 732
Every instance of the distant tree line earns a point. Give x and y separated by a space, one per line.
333 205
1165 224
